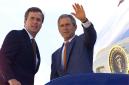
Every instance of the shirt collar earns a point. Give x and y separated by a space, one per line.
30 36
70 39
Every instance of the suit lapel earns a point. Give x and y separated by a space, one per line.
60 56
59 61
69 49
29 46
28 41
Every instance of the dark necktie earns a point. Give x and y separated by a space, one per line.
34 51
34 46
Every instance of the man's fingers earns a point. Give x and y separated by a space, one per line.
74 7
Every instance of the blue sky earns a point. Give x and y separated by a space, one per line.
104 14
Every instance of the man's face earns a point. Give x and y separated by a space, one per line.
66 28
33 23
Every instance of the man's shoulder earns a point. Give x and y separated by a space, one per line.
56 52
13 34
79 37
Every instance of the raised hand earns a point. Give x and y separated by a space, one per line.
79 12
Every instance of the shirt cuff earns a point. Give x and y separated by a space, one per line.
86 24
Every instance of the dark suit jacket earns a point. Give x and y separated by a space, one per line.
79 55
17 60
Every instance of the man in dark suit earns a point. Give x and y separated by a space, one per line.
19 55
76 54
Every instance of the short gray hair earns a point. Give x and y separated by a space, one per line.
69 16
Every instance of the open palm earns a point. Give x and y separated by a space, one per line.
79 12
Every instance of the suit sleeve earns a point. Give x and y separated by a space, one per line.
89 41
8 53
89 36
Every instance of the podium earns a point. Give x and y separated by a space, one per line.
92 79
